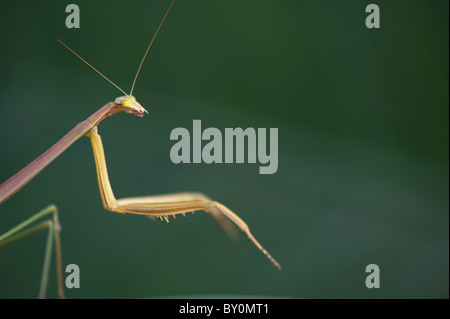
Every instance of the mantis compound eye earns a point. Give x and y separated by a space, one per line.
123 101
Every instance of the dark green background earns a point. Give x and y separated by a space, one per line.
363 145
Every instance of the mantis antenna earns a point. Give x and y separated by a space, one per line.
140 65
148 48
67 47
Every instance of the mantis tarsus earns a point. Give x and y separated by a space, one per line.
162 206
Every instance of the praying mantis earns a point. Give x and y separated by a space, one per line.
161 206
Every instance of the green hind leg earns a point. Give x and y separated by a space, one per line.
27 228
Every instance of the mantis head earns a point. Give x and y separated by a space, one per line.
129 105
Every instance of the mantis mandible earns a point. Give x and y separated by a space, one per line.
162 206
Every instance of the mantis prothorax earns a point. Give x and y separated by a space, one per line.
162 206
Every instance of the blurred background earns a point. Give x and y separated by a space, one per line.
362 116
